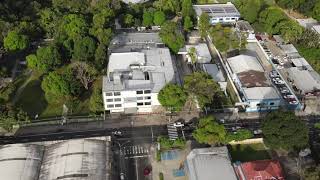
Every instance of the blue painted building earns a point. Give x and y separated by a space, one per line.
257 92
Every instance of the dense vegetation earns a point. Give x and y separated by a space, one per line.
283 130
209 131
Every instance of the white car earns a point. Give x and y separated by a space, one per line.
178 124
293 102
279 82
289 96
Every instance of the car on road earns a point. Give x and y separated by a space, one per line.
289 96
117 133
279 82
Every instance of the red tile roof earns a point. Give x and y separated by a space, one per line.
260 170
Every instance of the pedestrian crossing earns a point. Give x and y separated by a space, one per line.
172 132
134 150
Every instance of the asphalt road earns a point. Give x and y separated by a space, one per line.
146 133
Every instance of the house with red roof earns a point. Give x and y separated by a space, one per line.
259 170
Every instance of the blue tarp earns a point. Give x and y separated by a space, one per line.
178 172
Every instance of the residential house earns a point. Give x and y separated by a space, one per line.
259 170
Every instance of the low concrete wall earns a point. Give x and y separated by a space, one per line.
247 141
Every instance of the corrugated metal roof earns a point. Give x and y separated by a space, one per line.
303 79
261 93
210 163
242 63
20 161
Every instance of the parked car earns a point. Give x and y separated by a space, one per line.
285 91
288 96
293 102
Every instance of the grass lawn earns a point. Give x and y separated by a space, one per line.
248 152
32 100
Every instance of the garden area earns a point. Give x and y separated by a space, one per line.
248 152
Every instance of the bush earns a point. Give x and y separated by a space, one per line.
158 155
166 143
161 176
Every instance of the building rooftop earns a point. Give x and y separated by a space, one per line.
304 80
278 39
127 42
214 72
306 23
257 93
300 62
147 69
243 63
253 78
316 28
202 51
263 169
217 10
77 159
20 161
288 49
210 163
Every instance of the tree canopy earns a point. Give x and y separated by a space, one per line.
204 24
202 87
247 11
10 116
283 130
15 41
208 131
147 18
312 173
159 18
172 97
239 135
171 36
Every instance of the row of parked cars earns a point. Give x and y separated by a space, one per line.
282 87
275 59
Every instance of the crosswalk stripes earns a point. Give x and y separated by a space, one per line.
135 150
172 132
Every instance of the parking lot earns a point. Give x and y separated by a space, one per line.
278 75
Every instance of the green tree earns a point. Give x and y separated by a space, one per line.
204 24
32 61
159 18
147 18
186 8
208 131
100 57
48 21
289 30
128 20
247 12
187 24
10 116
171 36
239 135
74 25
96 100
312 173
166 143
270 17
172 97
75 6
47 58
201 86
15 41
55 86
84 49
316 11
171 6
283 130
317 125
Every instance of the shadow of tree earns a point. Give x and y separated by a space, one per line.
32 99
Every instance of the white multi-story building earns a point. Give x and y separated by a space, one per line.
218 13
134 80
